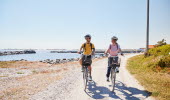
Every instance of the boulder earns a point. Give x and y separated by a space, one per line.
29 51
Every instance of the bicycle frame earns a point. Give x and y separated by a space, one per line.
86 70
114 64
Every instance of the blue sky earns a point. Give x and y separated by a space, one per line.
45 24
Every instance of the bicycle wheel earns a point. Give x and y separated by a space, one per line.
85 77
113 78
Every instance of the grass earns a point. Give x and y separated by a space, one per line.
19 64
4 64
34 72
153 72
4 76
20 73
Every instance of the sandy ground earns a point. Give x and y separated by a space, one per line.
71 86
20 80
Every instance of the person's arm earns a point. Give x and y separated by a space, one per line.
120 51
93 50
107 51
79 51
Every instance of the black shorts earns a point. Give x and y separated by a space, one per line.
86 60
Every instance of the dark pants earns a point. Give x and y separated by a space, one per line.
108 71
111 60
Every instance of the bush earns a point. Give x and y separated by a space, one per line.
162 50
164 61
153 72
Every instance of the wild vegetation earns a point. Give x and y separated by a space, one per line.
153 71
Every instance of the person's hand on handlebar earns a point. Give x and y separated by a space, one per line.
92 53
106 54
79 52
122 54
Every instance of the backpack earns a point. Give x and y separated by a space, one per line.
116 46
85 46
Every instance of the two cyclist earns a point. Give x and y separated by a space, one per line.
88 49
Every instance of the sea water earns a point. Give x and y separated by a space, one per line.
39 55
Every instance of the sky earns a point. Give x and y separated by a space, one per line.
62 24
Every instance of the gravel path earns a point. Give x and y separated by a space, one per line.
71 87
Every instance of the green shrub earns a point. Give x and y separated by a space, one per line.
153 72
164 61
162 50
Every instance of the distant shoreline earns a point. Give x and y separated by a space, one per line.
4 53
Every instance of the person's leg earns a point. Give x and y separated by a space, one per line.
81 62
109 68
90 69
119 61
108 71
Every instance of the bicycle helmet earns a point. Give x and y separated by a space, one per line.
88 35
114 38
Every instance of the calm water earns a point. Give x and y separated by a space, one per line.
40 55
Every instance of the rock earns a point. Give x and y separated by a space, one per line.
57 61
22 60
64 59
77 59
29 51
16 52
23 67
1 53
68 60
72 59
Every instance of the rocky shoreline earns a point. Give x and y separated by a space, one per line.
98 51
17 52
59 61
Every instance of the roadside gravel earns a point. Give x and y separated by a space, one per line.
71 86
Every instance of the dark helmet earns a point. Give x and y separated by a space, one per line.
88 35
114 38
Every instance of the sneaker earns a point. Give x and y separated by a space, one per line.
117 69
90 78
108 79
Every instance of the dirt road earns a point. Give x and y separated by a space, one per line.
71 86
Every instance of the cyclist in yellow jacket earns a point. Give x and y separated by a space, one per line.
88 49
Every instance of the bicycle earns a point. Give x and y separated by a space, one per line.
86 63
113 66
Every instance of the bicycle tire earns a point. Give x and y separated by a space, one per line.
85 77
113 78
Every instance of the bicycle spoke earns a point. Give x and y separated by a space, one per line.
113 78
85 77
